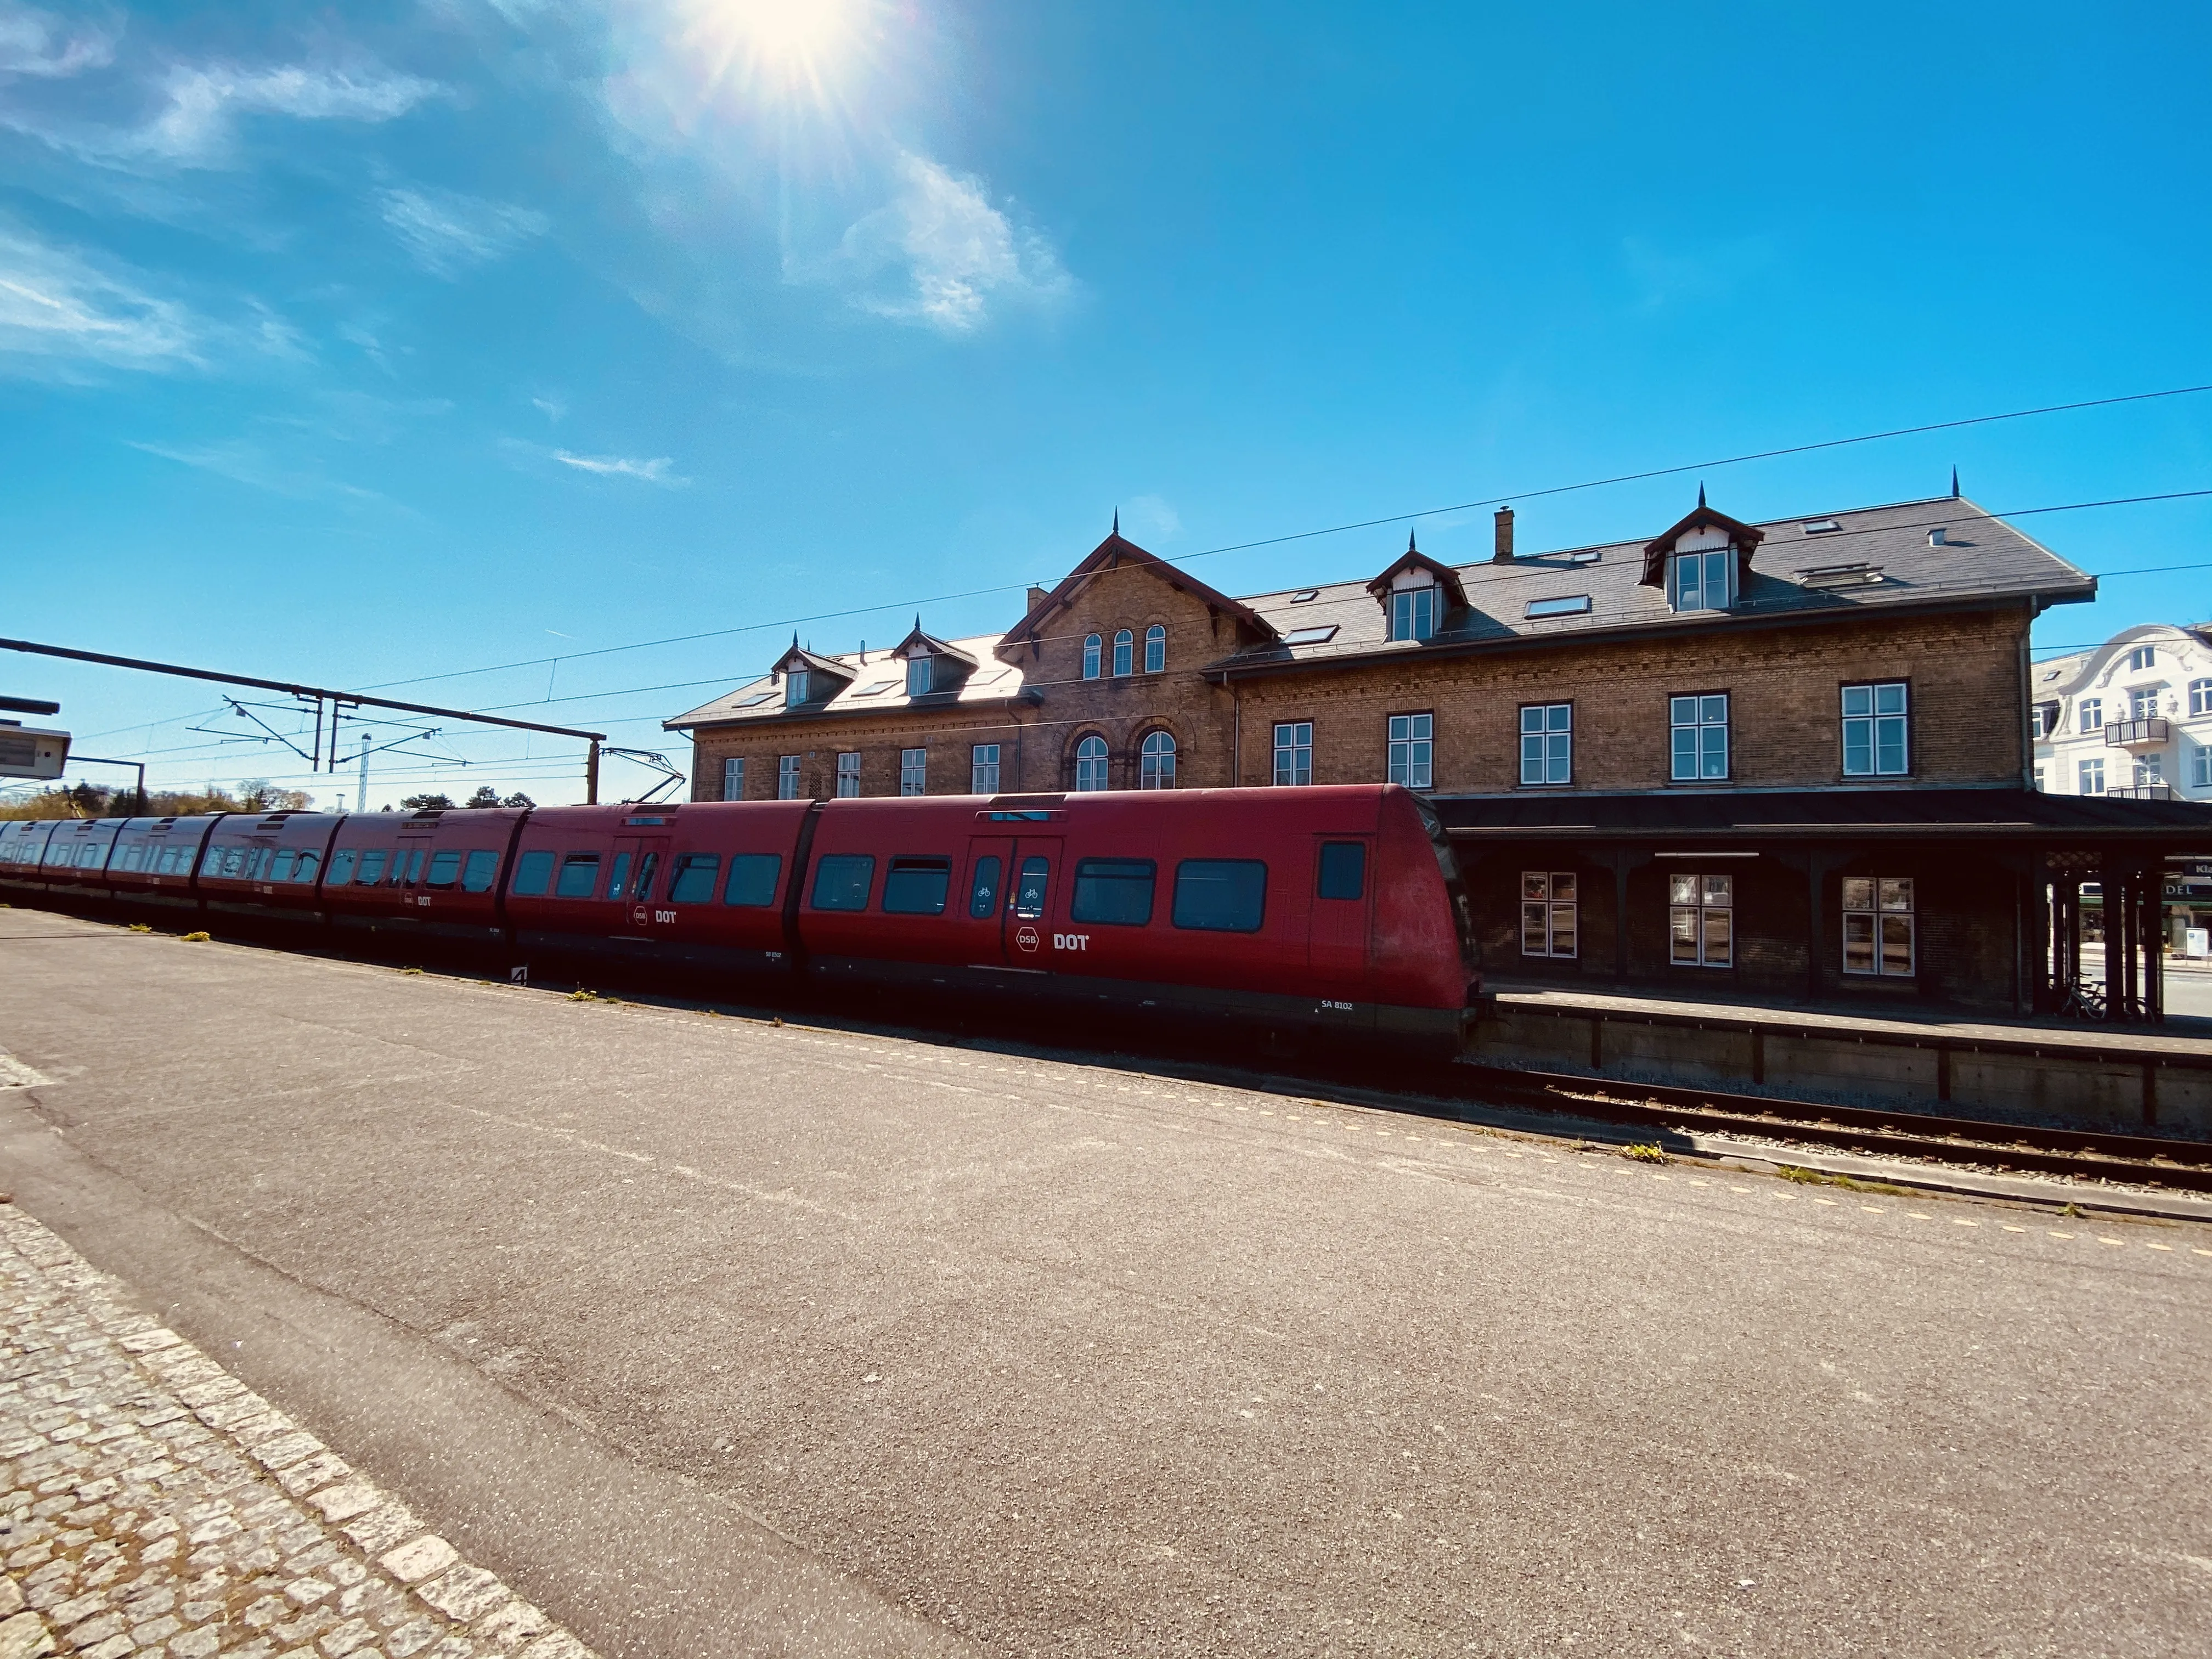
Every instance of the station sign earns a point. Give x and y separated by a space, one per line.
28 752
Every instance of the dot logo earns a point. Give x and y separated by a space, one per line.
1027 939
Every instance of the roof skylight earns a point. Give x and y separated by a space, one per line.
1305 594
1821 527
1841 575
875 689
1568 604
1310 635
757 697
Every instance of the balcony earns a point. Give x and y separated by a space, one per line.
2152 734
2145 791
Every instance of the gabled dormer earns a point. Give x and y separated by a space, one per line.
1233 622
933 667
1418 594
1704 562
809 681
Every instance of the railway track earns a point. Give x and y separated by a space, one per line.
2009 1148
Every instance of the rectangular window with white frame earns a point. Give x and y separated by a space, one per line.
2092 714
1412 750
1294 752
2142 703
2142 657
787 777
1702 581
1876 741
733 780
1878 927
1548 742
2043 719
2150 770
1699 730
1413 612
2200 698
2038 779
849 775
1549 913
983 769
914 771
1701 920
2091 774
2200 769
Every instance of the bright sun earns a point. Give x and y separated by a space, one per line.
795 42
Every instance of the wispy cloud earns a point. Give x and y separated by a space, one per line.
60 312
242 460
38 43
656 470
939 255
552 408
448 232
197 109
1150 515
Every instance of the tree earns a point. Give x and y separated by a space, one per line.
427 804
485 796
519 800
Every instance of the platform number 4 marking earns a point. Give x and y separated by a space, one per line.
518 975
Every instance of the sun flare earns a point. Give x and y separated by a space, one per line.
793 43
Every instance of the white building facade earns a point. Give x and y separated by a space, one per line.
2131 718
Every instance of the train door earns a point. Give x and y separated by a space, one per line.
1010 893
407 865
1341 917
632 883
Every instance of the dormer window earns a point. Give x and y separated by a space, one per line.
795 686
1700 582
920 675
1413 613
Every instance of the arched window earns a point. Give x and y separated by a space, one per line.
1159 758
1090 764
1090 658
1125 646
1156 648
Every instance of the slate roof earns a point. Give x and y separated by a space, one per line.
1983 557
879 684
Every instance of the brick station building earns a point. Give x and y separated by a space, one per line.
1736 759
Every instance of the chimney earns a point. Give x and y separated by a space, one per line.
1037 597
1504 553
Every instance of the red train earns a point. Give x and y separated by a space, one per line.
1323 909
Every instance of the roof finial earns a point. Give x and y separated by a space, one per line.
1701 492
1410 548
1117 521
1954 481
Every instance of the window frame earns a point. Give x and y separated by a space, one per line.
1094 648
1409 754
1873 719
1328 871
2089 715
1092 870
1545 732
787 777
1876 912
733 778
1125 654
911 865
914 771
1090 763
1700 906
977 783
922 668
1157 763
2142 702
797 683
1418 622
586 865
1698 726
749 864
479 870
1156 648
841 862
1706 559
1299 745
2142 659
2200 698
2090 767
848 774
1177 912
1548 904
684 866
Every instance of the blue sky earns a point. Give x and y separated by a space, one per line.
359 345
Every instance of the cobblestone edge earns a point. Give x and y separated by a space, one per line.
150 1503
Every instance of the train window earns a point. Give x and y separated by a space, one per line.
579 876
1030 890
480 872
694 881
445 866
984 893
1117 891
309 862
342 863
1221 896
647 868
282 866
233 861
533 873
618 878
842 881
916 887
414 866
133 858
752 879
371 867
1343 869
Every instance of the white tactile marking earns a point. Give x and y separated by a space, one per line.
14 1074
149 1503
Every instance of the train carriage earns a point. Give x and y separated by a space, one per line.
22 851
75 865
413 879
267 866
156 860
